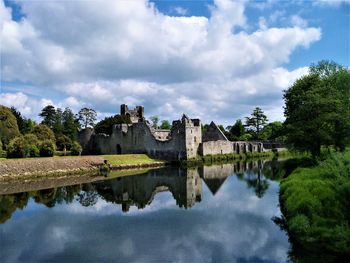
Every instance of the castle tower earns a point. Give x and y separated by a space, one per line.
136 115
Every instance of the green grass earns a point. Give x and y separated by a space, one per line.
315 202
121 159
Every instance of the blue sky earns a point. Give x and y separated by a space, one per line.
216 60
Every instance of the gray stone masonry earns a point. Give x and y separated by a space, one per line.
183 141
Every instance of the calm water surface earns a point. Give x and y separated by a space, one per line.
208 214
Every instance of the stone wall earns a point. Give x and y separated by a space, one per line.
216 147
181 142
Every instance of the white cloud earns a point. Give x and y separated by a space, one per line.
330 3
180 10
298 21
105 53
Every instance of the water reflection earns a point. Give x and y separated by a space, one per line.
229 220
185 185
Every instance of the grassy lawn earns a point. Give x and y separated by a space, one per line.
128 159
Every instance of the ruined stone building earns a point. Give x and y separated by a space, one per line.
183 141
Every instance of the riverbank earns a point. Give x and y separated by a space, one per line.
315 203
13 169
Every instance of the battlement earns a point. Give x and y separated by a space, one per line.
136 114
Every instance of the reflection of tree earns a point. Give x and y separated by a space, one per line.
254 178
53 196
9 204
89 196
259 183
46 197
274 170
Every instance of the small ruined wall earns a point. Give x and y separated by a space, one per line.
216 147
162 134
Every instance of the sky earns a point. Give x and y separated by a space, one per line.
213 60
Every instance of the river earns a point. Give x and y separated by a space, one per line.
219 213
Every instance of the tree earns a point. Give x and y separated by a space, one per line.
256 122
317 109
48 114
47 148
8 125
87 117
237 130
43 132
57 127
106 125
76 148
16 148
165 125
63 142
273 131
154 120
70 124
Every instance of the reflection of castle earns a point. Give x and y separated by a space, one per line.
183 141
184 184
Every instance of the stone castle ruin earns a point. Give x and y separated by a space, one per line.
183 141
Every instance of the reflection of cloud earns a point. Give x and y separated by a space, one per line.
233 225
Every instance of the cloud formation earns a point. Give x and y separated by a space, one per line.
104 53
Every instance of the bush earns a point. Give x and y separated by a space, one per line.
76 148
43 132
16 148
47 148
315 204
32 150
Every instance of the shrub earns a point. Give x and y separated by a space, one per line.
47 148
76 148
32 150
16 148
43 132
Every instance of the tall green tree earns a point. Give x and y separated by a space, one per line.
237 130
256 122
8 125
58 122
87 117
70 124
317 109
48 114
273 131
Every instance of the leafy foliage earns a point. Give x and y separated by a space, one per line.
63 142
70 124
49 116
43 132
165 125
47 148
8 125
106 125
256 122
76 148
315 203
17 148
237 130
87 117
24 125
317 109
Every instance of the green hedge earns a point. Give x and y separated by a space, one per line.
316 205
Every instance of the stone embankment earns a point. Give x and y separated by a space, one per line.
46 167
